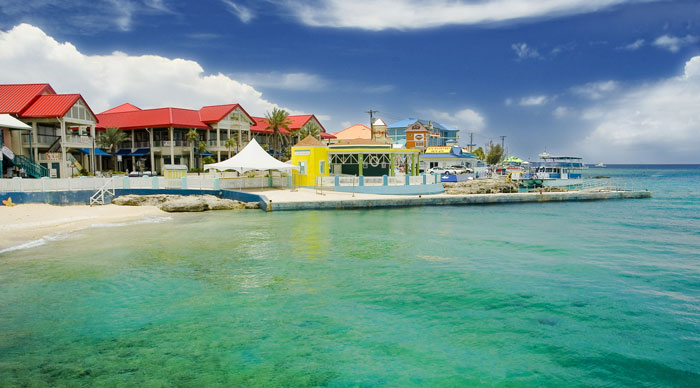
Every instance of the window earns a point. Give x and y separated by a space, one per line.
302 168
321 167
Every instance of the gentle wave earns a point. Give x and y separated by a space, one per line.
57 236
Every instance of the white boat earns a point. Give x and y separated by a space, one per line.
600 165
555 171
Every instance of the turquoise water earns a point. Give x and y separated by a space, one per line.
555 294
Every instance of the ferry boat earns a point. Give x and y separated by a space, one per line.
554 171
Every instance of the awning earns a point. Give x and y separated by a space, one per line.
124 152
206 153
7 121
141 152
98 151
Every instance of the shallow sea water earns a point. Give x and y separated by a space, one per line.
554 294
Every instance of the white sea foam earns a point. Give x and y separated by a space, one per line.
57 236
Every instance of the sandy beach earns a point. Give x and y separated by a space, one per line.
29 222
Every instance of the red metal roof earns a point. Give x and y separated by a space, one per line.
261 126
53 105
16 98
215 113
125 107
152 118
295 123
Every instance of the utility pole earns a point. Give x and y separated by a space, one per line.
371 121
471 142
503 143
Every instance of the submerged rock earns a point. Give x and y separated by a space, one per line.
481 186
183 203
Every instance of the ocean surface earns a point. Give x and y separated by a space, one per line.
600 293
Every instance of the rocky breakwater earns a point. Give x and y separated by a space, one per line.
481 186
183 203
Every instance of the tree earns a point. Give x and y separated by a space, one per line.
279 118
310 129
494 153
201 149
192 136
110 140
479 153
230 143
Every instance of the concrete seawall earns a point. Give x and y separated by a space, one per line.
455 200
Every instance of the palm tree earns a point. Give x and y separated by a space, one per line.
110 140
201 148
192 136
279 118
310 129
230 143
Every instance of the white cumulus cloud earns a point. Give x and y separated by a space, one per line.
674 43
466 120
416 14
533 100
596 90
283 81
561 111
636 45
147 81
661 118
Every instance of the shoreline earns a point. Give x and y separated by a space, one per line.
24 224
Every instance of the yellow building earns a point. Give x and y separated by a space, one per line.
312 158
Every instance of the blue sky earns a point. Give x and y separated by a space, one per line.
610 80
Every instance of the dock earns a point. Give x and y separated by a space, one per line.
308 199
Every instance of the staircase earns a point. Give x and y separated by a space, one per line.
32 169
99 197
56 145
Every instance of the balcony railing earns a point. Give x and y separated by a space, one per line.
39 140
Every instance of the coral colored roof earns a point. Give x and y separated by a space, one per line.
326 135
152 118
53 105
16 98
215 113
357 131
126 107
309 141
261 126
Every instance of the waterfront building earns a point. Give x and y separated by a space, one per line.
312 158
438 134
61 140
445 157
157 137
379 131
263 135
361 157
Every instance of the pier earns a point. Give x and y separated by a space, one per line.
306 199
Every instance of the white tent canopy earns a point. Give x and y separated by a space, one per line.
252 157
7 121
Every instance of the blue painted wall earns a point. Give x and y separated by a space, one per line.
82 197
393 190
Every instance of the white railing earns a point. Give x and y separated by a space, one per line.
397 180
99 197
201 182
326 181
374 181
416 180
